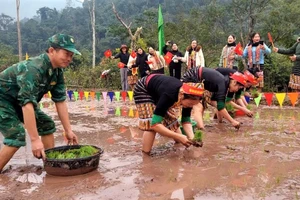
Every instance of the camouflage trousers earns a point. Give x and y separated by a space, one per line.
12 127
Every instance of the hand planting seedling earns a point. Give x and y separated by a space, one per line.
84 151
197 141
230 110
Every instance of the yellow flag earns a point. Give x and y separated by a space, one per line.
26 57
49 94
280 98
86 94
130 94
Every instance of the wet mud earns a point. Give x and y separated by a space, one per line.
259 161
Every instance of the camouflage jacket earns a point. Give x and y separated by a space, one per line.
29 80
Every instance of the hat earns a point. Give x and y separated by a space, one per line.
63 41
193 89
250 77
124 46
239 77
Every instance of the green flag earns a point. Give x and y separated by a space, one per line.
161 34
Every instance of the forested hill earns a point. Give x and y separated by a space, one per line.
208 21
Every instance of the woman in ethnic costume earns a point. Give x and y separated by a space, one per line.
229 59
255 52
216 87
159 100
156 62
294 53
193 56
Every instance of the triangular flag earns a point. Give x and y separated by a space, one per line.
76 95
117 94
130 114
26 56
81 94
70 92
280 98
118 111
111 95
86 95
257 99
269 97
293 97
98 96
49 94
41 105
104 94
92 93
130 94
124 95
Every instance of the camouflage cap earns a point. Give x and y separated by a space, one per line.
63 41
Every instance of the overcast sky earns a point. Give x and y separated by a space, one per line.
28 8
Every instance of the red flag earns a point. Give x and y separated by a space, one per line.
270 37
133 54
149 62
168 57
107 53
238 49
269 97
121 65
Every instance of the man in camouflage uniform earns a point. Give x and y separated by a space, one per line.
22 86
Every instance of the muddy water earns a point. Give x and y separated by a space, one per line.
260 161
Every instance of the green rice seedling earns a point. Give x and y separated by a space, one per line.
84 151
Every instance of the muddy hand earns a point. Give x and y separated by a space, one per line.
185 141
236 124
249 114
38 149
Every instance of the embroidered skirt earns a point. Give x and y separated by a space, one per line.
146 106
294 82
